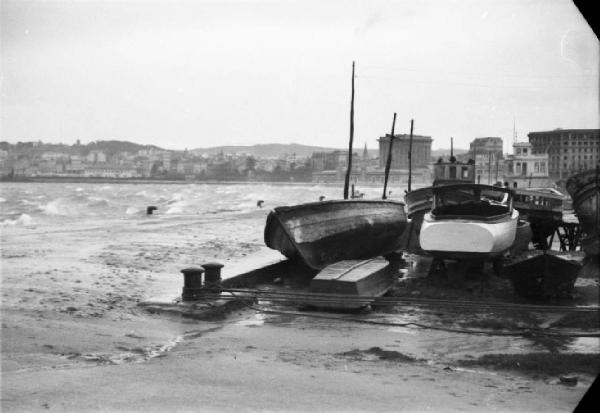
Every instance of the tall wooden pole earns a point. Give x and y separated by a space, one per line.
451 149
410 155
388 163
489 167
349 170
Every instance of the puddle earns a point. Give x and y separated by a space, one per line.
257 319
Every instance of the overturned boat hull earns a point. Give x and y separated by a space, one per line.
351 284
321 233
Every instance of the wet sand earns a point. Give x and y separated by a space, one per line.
75 339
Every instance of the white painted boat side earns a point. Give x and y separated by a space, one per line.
468 236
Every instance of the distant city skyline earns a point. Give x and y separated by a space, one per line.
201 74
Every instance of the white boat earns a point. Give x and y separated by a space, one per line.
479 225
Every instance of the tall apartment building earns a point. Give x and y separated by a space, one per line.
489 159
569 150
421 151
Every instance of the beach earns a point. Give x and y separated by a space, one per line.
77 259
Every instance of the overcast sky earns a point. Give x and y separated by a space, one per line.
188 74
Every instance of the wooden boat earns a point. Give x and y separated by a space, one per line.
543 274
480 224
542 209
321 233
419 201
351 284
584 188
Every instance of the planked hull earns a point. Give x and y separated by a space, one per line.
543 274
321 233
584 188
418 201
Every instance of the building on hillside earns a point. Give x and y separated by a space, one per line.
110 171
524 169
569 150
96 157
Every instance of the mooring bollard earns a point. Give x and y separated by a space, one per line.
212 279
192 283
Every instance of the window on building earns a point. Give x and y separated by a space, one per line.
543 167
524 151
536 167
452 171
518 168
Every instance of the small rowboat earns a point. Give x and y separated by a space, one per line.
321 233
543 274
351 284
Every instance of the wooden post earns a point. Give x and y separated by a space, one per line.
388 162
410 155
349 171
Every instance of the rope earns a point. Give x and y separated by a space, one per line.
526 332
283 296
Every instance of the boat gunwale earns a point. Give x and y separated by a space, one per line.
290 208
493 219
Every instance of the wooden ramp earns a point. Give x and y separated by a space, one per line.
351 284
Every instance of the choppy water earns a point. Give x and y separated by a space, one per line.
37 204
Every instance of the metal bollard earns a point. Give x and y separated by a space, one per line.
192 283
212 278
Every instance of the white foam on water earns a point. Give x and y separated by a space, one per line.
2 199
53 207
132 211
24 220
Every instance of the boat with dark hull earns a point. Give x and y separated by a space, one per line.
543 210
469 221
543 274
321 233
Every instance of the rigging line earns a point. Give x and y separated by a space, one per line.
525 333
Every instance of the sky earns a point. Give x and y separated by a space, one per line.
192 74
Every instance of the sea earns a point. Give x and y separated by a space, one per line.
39 204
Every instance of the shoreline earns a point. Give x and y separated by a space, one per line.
183 182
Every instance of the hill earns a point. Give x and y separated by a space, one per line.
436 153
266 150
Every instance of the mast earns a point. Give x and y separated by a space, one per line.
388 162
349 170
489 168
410 154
